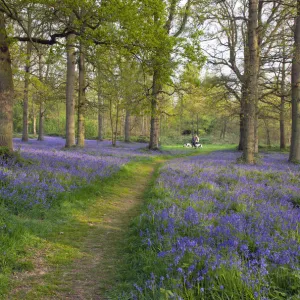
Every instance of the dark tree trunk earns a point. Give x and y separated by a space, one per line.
268 137
242 129
154 123
100 117
70 102
81 99
41 122
256 141
282 104
252 81
127 127
242 109
41 100
223 129
295 141
282 124
33 118
6 90
26 90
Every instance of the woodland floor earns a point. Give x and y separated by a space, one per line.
100 232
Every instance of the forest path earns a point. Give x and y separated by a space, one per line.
94 272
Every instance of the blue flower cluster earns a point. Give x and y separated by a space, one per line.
50 171
223 230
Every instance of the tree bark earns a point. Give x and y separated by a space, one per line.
268 138
252 81
41 100
242 122
26 90
223 129
256 141
41 121
81 98
113 124
282 103
282 124
127 126
6 90
70 102
26 82
33 118
154 122
295 141
100 117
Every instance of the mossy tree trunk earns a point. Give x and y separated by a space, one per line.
81 98
252 82
26 82
70 102
282 104
100 116
127 126
6 90
154 123
295 140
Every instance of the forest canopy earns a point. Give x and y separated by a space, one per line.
155 71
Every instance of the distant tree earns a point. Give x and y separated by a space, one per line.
26 79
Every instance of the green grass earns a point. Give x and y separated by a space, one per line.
273 148
206 148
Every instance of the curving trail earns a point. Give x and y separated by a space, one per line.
106 222
92 276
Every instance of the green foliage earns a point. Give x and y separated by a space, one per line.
5 152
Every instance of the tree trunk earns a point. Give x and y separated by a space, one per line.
26 90
41 121
113 123
127 126
154 123
268 135
295 141
242 122
100 117
242 130
34 125
256 141
282 104
223 129
252 81
6 90
116 126
282 124
41 100
70 102
81 98
26 81
33 118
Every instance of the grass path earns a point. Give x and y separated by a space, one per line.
96 237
